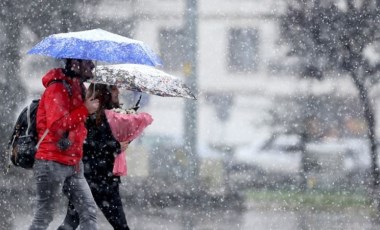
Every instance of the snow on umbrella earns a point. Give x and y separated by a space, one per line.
96 44
142 78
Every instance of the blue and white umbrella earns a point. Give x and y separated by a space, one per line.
96 44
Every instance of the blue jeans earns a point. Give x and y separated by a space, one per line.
51 177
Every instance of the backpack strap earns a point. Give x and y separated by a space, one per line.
28 120
68 88
65 83
42 138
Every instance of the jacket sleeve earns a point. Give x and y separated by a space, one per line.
58 115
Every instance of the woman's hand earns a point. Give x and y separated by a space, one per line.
124 145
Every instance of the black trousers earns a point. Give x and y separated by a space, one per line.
107 197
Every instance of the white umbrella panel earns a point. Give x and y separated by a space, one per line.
142 78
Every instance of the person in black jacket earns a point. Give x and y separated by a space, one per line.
99 150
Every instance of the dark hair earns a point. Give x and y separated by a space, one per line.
103 94
67 69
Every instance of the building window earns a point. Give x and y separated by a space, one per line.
243 50
172 48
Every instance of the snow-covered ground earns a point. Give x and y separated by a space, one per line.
255 217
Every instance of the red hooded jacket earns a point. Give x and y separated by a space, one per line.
59 112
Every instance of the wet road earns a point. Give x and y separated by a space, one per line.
258 218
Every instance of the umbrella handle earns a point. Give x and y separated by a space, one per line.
93 94
95 63
137 105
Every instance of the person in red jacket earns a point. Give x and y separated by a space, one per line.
58 167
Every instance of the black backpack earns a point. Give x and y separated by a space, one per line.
23 142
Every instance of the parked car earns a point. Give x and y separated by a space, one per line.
269 161
276 161
344 162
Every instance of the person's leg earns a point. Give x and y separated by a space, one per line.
71 220
48 185
109 202
79 194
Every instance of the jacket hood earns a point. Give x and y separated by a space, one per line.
54 74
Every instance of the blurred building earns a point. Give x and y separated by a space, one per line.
242 64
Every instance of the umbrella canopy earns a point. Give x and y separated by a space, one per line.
142 78
97 45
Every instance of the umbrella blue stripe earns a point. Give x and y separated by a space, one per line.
108 51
